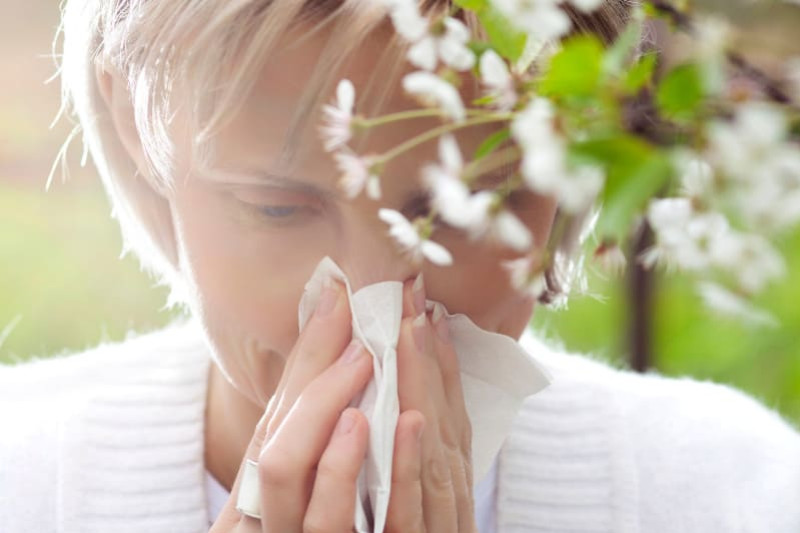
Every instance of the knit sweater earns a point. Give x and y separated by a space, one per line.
111 439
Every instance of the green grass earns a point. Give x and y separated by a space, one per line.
61 280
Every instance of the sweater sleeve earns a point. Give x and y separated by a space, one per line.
712 458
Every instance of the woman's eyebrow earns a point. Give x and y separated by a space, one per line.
257 177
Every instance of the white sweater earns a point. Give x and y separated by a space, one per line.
111 440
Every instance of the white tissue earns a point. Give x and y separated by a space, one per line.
497 374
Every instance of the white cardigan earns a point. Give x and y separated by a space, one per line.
111 440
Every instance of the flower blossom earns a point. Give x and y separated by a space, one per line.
544 19
338 126
408 237
523 278
684 237
476 213
433 91
544 162
611 258
498 80
446 41
357 174
762 166
698 241
723 301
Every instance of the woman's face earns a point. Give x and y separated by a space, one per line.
250 239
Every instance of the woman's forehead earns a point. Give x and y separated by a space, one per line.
255 135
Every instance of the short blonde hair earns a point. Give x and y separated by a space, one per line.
213 49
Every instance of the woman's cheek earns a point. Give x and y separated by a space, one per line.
247 278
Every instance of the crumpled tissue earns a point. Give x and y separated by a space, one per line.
497 374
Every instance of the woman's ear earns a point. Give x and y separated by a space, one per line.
144 207
115 93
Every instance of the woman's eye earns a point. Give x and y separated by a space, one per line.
278 211
277 207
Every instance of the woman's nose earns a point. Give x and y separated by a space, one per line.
368 255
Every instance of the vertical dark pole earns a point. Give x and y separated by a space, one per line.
641 289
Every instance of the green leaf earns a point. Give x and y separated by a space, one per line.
491 143
635 171
474 5
629 197
575 69
681 92
507 40
640 73
618 53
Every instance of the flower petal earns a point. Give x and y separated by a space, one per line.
436 253
433 90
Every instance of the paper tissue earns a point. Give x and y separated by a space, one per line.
497 374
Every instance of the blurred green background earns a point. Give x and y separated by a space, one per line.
63 286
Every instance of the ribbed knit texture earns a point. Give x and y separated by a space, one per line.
566 467
111 440
129 440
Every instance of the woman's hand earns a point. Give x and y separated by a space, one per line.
309 446
431 476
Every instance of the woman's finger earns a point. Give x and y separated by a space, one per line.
451 380
405 512
420 388
288 460
322 340
332 504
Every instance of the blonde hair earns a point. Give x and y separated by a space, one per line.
214 50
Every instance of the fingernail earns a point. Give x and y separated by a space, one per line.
440 323
418 330
347 421
353 352
328 298
418 291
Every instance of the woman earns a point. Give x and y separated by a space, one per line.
200 118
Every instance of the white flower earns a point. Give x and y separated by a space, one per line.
337 129
534 124
357 175
433 91
450 47
449 195
541 18
683 237
611 258
410 240
723 301
472 212
740 147
697 175
496 77
587 6
750 258
522 278
508 229
544 162
761 166
407 19
429 45
699 241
